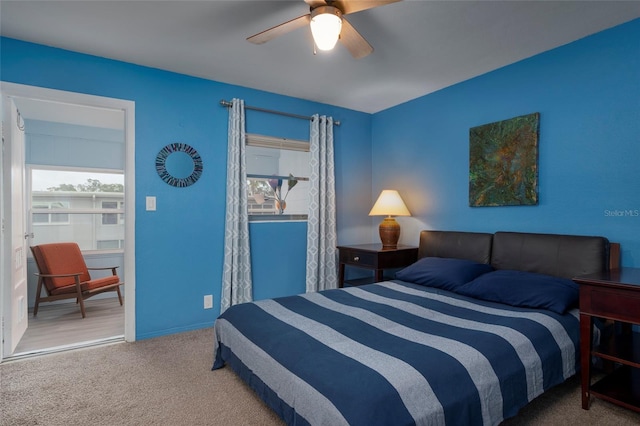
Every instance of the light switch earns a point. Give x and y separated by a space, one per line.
151 204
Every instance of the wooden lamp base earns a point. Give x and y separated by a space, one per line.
389 232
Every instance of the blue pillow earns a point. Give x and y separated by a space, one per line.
524 289
441 272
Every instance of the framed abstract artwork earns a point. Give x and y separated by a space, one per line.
503 162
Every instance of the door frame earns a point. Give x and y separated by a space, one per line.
128 107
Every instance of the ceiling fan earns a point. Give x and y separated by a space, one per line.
328 25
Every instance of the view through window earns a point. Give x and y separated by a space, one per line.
81 205
278 178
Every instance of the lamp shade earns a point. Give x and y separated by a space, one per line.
389 203
326 24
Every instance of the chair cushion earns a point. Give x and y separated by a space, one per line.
87 286
63 290
61 258
100 282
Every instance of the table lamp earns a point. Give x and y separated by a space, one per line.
389 204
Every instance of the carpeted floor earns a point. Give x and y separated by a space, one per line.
168 381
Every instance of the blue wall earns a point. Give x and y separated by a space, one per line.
179 247
588 97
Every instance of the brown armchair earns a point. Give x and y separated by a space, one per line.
65 275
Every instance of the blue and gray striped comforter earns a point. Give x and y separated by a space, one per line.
395 353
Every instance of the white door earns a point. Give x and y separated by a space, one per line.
14 233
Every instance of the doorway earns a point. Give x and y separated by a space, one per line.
113 236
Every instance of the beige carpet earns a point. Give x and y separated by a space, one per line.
167 381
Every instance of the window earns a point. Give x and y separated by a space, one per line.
81 205
277 178
113 218
50 218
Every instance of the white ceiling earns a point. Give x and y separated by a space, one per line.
420 46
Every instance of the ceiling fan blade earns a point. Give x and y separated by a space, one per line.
357 45
278 30
353 6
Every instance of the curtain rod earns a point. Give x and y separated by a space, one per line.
286 114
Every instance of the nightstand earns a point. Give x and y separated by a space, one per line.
613 295
376 258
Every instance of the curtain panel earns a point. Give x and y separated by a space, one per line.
236 275
321 225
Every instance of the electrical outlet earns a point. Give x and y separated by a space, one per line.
208 301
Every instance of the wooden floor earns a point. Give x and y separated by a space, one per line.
61 326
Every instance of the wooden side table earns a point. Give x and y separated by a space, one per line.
374 257
613 295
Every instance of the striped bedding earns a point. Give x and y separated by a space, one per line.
395 353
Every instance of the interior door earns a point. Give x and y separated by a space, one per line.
15 301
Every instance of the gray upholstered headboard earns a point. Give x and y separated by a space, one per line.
552 254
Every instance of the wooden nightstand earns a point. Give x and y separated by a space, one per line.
613 295
374 257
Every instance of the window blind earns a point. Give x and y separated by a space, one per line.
276 143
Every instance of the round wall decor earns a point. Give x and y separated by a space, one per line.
179 164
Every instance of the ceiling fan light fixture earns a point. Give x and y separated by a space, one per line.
326 24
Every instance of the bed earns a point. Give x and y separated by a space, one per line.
478 327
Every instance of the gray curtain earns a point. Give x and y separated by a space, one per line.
236 276
321 225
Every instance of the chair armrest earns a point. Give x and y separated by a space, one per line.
113 269
57 275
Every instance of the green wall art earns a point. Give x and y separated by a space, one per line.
503 162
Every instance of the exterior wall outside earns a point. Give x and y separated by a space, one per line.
85 229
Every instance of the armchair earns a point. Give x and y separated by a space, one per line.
64 275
